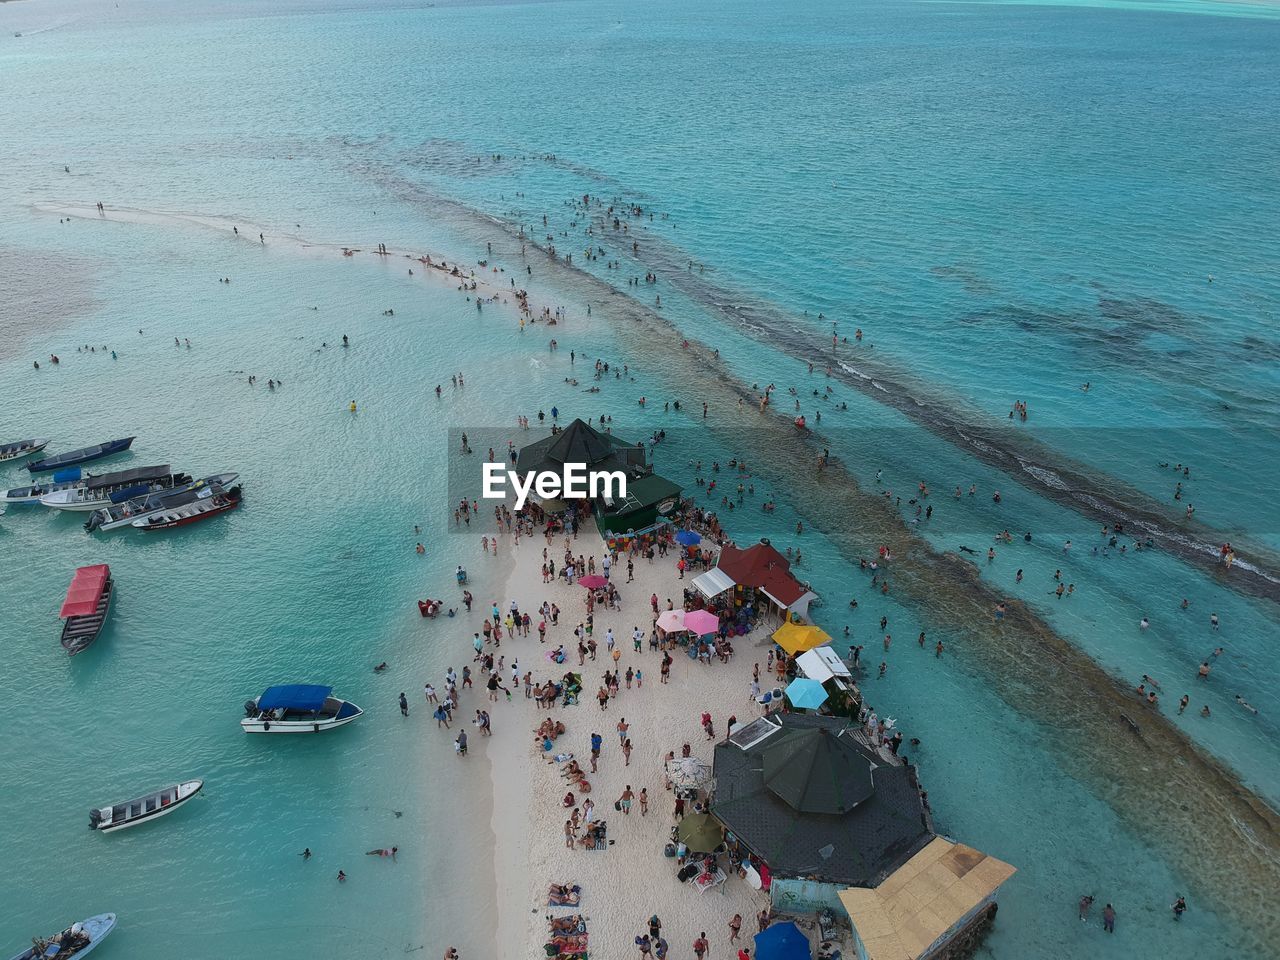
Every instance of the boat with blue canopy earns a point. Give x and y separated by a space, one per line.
75 941
83 455
297 708
21 448
32 492
115 488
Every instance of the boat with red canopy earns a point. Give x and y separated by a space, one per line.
86 606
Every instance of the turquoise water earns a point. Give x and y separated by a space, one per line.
1009 200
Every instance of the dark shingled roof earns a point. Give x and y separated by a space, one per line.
858 848
576 443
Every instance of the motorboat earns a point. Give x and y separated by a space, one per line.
123 512
75 941
83 455
209 502
297 708
32 492
22 448
149 807
122 485
86 606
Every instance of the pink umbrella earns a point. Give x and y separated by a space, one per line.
671 621
592 581
701 622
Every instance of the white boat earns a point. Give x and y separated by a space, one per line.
297 708
22 448
75 941
152 806
115 488
140 508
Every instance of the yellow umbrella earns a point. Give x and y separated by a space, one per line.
795 638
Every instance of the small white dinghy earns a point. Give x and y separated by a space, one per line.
297 708
152 806
75 941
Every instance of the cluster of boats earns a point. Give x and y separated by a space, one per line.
147 498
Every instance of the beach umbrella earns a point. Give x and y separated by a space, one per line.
700 832
796 638
783 941
687 772
688 538
592 581
701 622
671 621
806 694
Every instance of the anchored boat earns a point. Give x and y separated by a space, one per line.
32 492
75 941
122 513
99 491
152 806
209 502
297 708
86 606
22 448
83 455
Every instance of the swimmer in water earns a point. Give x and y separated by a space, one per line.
1246 704
380 667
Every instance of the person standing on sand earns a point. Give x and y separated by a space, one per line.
735 925
644 801
700 946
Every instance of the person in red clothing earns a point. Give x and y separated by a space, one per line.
743 955
700 946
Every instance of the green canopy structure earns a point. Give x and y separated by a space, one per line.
815 771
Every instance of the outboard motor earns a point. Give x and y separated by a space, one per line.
95 818
250 708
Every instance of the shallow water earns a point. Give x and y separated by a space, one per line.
978 215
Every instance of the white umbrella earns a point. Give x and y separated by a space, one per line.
686 772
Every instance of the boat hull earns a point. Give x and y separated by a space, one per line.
23 451
97 929
83 455
185 791
79 633
160 522
296 726
335 713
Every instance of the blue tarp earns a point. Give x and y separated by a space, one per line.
69 475
128 493
688 538
294 696
783 941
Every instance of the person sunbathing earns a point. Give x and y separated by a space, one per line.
562 895
572 924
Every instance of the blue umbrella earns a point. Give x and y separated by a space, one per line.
783 941
806 694
688 538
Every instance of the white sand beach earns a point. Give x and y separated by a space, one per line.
631 880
